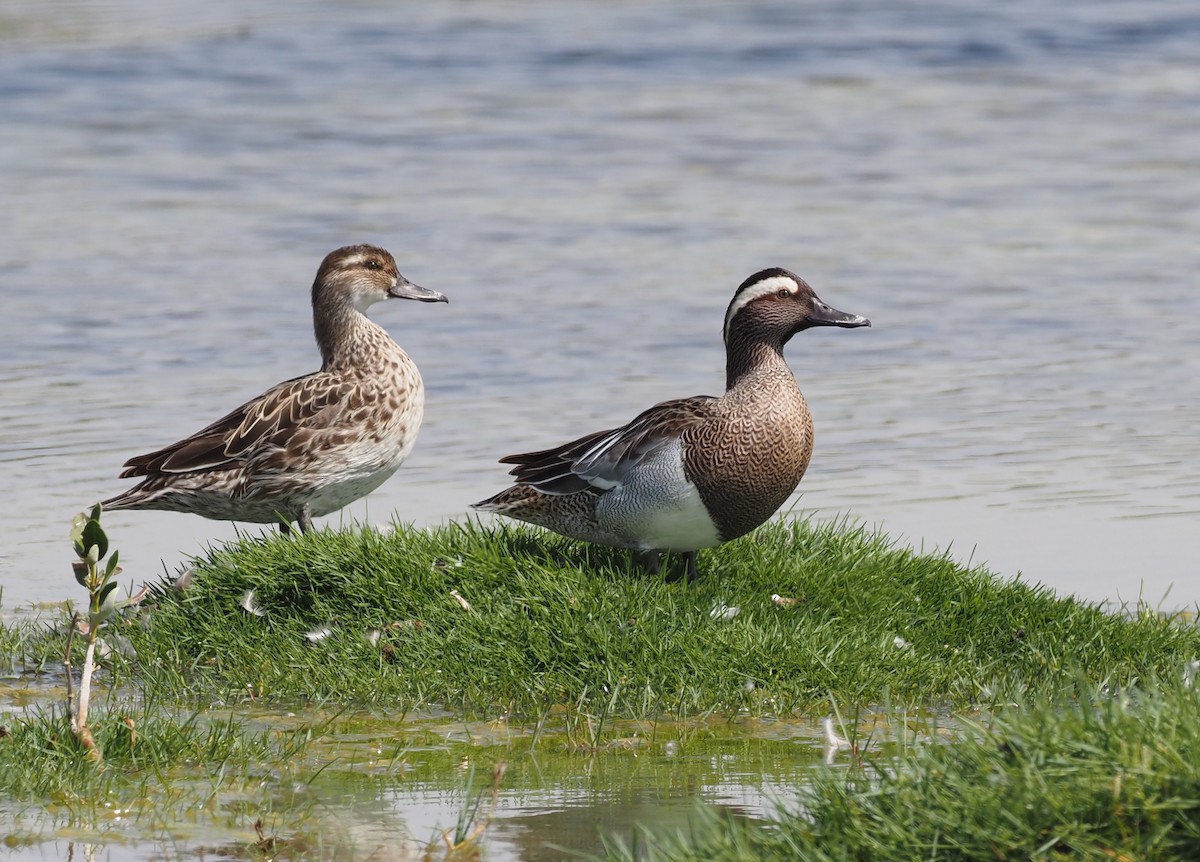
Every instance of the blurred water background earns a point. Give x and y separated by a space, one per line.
1009 191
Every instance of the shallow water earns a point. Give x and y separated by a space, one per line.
374 790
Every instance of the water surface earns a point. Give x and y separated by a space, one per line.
374 789
1009 193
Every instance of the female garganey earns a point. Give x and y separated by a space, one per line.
308 446
695 472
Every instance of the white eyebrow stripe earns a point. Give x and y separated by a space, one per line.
755 291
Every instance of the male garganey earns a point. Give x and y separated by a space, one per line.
694 472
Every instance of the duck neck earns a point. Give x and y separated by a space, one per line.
339 328
751 356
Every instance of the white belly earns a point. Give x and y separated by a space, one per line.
682 526
335 495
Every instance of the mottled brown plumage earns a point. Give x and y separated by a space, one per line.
694 472
307 446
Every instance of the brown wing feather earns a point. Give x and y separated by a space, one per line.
601 460
549 470
270 419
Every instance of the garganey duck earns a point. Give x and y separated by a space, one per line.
695 472
308 446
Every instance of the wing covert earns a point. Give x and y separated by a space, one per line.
268 420
603 460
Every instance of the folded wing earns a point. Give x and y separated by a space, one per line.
263 424
603 460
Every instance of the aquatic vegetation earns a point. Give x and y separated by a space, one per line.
1106 776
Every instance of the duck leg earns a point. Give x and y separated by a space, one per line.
650 561
303 521
691 574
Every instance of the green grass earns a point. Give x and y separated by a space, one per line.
558 624
1105 777
160 773
592 662
43 759
24 648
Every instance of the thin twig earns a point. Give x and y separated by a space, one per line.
85 681
67 666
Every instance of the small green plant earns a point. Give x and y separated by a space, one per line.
99 579
462 842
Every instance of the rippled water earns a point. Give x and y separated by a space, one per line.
1008 191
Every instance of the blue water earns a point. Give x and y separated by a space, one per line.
1008 191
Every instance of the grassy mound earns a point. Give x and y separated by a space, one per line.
512 620
353 628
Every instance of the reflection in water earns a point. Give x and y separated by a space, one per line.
376 788
541 835
576 811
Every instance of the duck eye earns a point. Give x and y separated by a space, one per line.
372 264
783 293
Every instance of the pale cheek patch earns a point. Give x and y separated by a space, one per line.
365 295
766 287
363 301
